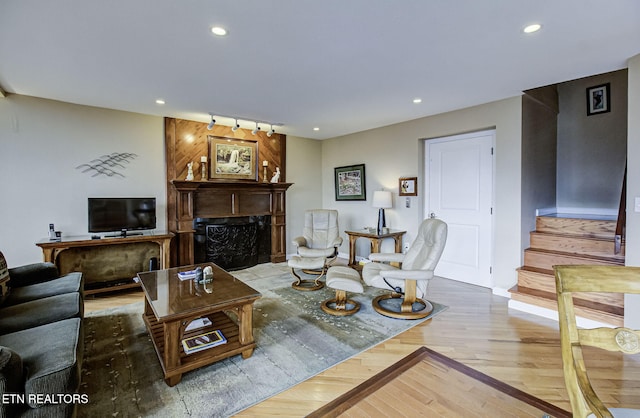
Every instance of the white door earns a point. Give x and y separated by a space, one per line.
459 191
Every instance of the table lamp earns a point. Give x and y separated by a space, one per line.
382 200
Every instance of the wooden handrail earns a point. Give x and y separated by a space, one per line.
622 215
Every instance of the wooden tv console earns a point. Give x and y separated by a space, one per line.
108 263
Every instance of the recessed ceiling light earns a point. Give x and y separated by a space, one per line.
417 100
159 101
218 30
316 129
532 28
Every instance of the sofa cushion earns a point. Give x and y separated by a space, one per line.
68 283
51 355
10 371
33 273
39 312
11 379
4 279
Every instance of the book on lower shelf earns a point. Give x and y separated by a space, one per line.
187 275
203 341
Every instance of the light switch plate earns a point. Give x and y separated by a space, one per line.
636 207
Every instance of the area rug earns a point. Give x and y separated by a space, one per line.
295 340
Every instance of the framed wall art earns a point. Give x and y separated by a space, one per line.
408 186
233 159
598 99
350 182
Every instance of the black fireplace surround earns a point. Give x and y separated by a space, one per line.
233 243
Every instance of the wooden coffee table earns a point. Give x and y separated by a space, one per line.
171 304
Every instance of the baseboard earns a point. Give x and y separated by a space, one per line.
498 291
346 257
546 211
343 255
587 211
553 315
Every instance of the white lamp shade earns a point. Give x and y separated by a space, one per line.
382 199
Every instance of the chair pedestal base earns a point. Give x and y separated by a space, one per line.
307 284
406 307
340 306
310 265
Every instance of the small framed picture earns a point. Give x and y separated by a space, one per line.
408 186
598 99
350 182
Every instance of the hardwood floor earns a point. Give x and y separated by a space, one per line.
100 301
478 330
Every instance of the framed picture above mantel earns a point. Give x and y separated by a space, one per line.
233 159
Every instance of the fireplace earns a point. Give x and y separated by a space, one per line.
226 206
233 243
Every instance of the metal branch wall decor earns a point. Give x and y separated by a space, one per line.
108 165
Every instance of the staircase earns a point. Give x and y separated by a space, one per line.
570 239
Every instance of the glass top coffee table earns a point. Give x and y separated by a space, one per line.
171 304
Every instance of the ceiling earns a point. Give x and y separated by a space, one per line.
343 66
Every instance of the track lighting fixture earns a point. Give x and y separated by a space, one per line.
221 119
256 129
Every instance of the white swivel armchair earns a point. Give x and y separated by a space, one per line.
408 282
317 247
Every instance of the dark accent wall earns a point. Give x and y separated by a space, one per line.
591 149
539 144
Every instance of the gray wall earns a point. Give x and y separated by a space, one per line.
591 149
539 144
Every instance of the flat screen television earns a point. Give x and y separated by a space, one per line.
109 214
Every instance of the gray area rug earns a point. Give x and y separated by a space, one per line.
295 340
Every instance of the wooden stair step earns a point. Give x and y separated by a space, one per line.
538 280
570 239
577 225
545 260
597 247
543 300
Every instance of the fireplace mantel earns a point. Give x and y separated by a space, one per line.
214 199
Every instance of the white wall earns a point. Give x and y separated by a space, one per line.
395 151
304 163
41 144
632 258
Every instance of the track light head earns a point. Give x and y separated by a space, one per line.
256 129
210 125
271 132
236 126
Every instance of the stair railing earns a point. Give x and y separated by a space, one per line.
622 216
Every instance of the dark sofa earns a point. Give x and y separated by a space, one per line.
41 341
